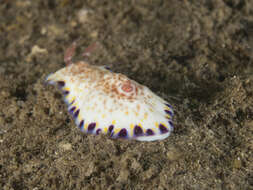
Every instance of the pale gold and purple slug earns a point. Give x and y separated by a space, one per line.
110 103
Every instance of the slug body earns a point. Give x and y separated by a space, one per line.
110 103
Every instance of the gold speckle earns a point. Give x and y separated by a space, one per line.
105 129
126 112
117 130
132 128
75 104
113 122
66 88
156 124
145 115
138 107
72 99
167 108
79 117
164 125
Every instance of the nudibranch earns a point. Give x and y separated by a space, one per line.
110 103
102 101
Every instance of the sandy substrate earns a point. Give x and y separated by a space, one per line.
195 54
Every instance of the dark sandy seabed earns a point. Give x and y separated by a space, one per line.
195 54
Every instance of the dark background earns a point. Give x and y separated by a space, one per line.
195 54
